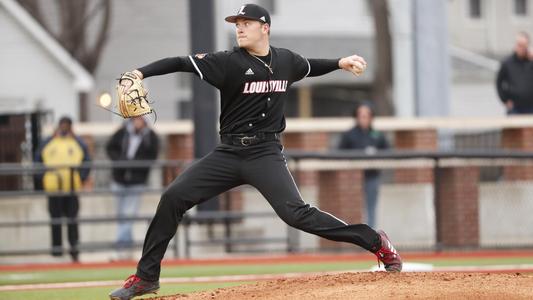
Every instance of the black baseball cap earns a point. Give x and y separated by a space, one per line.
252 12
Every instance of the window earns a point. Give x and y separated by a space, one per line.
520 7
475 9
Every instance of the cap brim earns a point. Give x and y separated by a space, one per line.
233 19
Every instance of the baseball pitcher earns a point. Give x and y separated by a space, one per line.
253 80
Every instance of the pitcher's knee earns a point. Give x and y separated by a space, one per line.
298 216
173 201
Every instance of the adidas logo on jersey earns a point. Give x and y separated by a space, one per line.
249 72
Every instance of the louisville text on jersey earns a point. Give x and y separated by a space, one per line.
267 86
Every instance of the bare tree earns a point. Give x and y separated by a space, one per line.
382 85
75 18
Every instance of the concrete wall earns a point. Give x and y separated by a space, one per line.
35 209
405 211
475 100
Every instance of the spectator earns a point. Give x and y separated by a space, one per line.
62 153
133 141
515 78
363 137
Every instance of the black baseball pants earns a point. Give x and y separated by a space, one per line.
64 206
262 166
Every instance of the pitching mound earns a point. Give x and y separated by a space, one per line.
380 285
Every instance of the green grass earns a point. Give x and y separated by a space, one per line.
73 275
102 292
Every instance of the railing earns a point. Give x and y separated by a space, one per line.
298 161
434 160
203 218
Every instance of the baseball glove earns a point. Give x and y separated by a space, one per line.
133 101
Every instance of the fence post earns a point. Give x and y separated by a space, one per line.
419 140
458 206
436 203
340 192
519 139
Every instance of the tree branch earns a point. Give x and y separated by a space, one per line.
382 85
34 9
93 55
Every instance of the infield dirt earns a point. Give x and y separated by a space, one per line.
379 285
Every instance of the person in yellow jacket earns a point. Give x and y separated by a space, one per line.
63 153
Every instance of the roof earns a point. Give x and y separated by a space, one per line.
468 66
83 80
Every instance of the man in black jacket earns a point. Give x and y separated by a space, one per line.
515 78
134 141
363 137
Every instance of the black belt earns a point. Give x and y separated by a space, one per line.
248 139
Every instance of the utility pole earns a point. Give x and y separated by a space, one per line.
432 62
202 33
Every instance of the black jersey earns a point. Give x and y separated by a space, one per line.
252 92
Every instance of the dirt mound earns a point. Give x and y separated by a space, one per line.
379 285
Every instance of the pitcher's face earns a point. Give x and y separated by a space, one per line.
250 32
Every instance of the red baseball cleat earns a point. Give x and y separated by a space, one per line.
388 255
134 286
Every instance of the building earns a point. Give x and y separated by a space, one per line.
488 27
482 28
338 34
482 33
37 73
